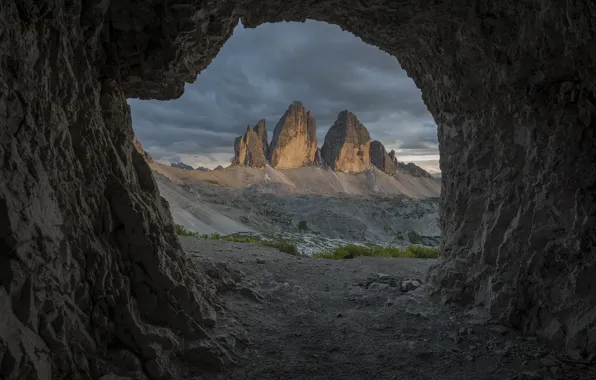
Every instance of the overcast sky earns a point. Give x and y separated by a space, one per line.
259 72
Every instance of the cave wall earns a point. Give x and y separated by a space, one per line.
92 276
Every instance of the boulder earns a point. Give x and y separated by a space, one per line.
347 145
294 141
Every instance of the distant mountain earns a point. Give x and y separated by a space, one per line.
181 165
347 145
294 143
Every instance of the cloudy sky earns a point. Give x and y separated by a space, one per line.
259 72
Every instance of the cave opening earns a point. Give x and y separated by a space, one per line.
93 278
290 82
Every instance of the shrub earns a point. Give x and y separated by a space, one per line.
283 246
351 251
181 231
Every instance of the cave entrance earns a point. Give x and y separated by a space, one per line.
290 82
91 272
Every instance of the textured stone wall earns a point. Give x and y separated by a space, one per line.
91 273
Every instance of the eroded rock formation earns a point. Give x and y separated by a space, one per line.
261 130
294 141
347 145
381 159
248 150
393 158
92 275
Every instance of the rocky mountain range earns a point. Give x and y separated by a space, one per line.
347 147
182 165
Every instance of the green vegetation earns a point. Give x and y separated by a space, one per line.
351 251
281 245
345 252
181 231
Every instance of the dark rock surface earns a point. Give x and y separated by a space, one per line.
248 150
219 167
181 165
202 169
261 130
381 159
92 275
318 161
347 145
313 319
139 147
393 158
294 141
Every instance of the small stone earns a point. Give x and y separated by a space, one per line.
339 315
462 331
555 370
261 261
469 358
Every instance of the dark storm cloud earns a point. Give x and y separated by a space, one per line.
259 72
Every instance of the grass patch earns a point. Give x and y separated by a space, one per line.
281 245
181 231
351 251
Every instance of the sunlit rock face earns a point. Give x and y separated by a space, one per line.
347 145
248 150
88 253
294 141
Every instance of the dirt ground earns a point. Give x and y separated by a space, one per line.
290 318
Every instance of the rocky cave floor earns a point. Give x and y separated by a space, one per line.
286 317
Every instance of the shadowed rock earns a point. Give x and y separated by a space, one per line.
294 141
139 147
381 159
261 130
347 145
393 158
248 150
92 274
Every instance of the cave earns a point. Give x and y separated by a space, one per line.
92 274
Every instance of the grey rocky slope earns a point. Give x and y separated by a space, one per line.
92 274
347 145
309 218
294 140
